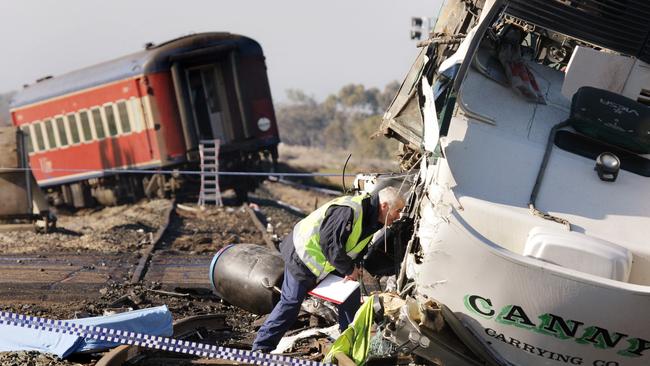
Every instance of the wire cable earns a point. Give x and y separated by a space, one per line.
174 172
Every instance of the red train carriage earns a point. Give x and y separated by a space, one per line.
149 110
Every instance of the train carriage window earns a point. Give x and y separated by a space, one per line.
74 129
38 132
85 125
124 117
97 121
110 119
28 139
49 133
63 136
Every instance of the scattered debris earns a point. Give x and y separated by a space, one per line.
127 229
287 343
153 321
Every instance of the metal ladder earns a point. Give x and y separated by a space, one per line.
209 153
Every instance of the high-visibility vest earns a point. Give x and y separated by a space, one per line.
306 236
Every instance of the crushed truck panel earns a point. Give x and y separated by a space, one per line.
529 210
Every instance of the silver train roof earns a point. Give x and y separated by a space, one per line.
156 58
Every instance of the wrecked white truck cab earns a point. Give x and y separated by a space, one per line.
529 125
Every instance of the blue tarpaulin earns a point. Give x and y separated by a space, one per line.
153 321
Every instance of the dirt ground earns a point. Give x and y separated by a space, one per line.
127 229
306 201
106 230
207 231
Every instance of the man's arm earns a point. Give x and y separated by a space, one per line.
334 232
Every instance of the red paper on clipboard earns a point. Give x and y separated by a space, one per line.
334 289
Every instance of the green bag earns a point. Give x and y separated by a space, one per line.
355 340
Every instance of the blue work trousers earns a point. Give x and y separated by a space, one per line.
286 312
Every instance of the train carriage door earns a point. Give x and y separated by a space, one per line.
208 98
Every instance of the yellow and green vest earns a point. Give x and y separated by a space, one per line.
306 236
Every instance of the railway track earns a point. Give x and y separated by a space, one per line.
173 269
145 255
169 265
60 277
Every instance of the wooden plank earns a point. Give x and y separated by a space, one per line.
60 277
173 269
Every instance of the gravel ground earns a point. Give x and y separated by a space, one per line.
279 215
305 200
206 231
107 230
33 359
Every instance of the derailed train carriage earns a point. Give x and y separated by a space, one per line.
149 110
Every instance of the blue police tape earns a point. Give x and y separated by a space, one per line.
151 341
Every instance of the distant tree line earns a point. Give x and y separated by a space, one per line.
5 118
345 120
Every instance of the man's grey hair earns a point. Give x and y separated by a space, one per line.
391 196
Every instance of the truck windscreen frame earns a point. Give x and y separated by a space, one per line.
619 25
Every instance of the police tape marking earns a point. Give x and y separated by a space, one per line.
151 341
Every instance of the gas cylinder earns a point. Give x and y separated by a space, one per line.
248 276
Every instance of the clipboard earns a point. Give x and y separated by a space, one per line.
334 289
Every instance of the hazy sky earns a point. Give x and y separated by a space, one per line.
317 46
